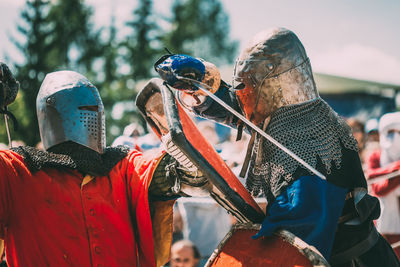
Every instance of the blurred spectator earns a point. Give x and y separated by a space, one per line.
17 143
40 146
205 223
371 143
234 152
184 254
357 128
14 143
383 162
149 142
207 128
371 130
177 225
130 135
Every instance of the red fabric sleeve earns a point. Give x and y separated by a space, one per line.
137 147
373 173
384 187
138 171
373 162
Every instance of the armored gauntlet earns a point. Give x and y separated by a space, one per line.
171 178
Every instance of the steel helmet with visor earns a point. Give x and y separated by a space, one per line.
69 108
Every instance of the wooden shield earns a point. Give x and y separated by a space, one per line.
238 249
164 114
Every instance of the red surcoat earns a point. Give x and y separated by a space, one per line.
57 217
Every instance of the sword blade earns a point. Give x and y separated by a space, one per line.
203 88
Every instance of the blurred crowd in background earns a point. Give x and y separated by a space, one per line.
200 224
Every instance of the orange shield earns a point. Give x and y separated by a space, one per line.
164 114
238 249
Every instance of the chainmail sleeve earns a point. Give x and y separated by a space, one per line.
313 131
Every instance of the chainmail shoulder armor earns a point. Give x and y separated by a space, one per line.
73 156
313 131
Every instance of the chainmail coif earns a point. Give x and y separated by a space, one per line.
73 156
312 130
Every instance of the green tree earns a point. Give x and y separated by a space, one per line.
75 42
143 44
58 35
116 87
32 71
137 54
201 28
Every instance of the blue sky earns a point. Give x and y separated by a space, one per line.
352 38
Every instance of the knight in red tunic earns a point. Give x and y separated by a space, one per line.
80 203
386 161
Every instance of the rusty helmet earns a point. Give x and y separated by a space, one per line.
272 71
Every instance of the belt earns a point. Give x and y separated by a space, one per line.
351 215
357 250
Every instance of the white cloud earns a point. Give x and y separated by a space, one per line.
358 61
9 3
